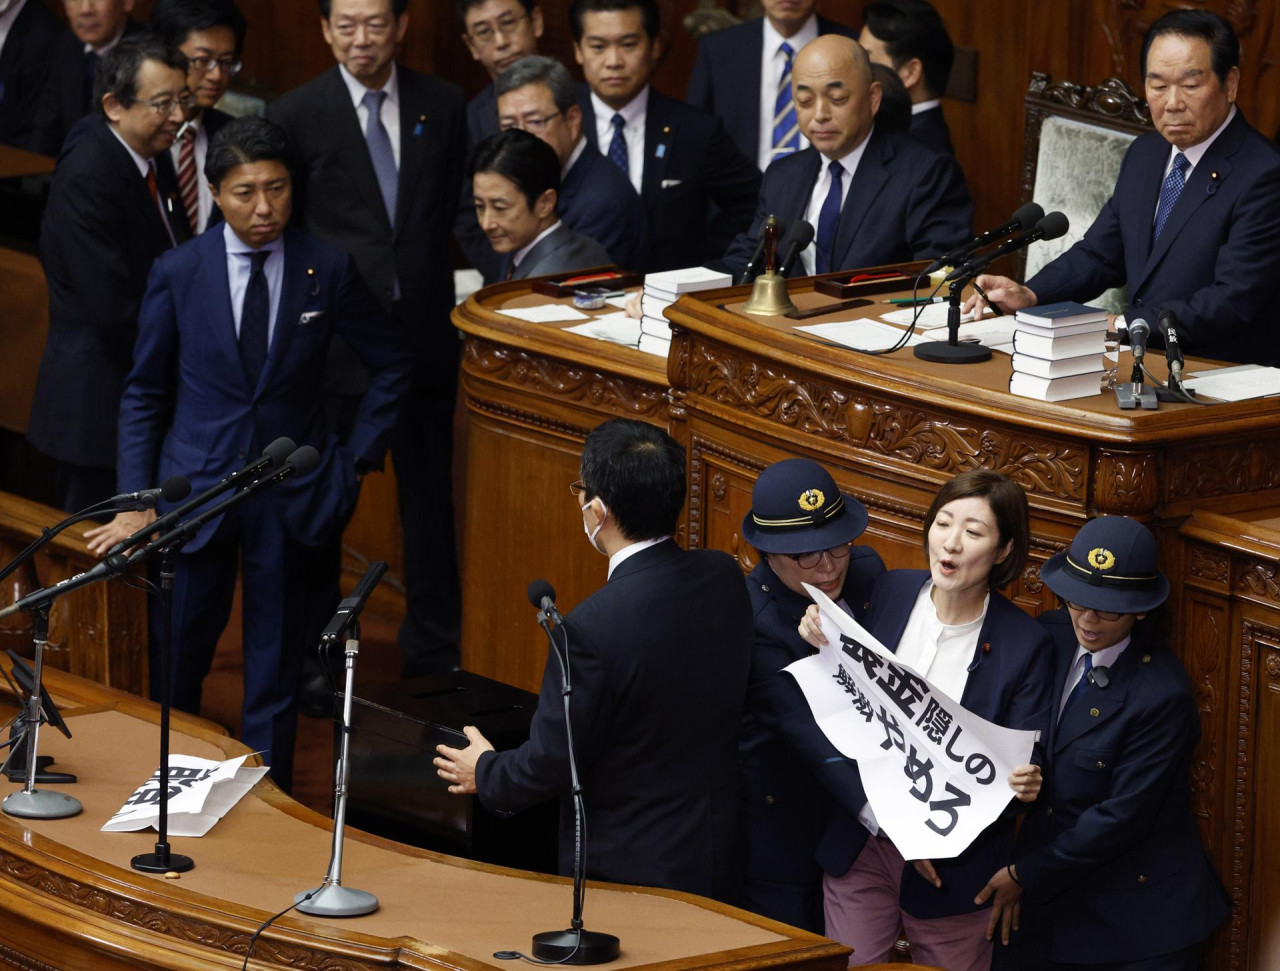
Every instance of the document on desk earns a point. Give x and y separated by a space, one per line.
616 328
547 313
931 316
201 792
861 335
1236 383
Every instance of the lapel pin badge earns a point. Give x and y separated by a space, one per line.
1094 712
986 647
418 128
1212 187
315 283
660 151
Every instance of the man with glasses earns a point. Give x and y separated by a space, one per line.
497 33
659 659
537 95
103 228
211 35
804 529
381 173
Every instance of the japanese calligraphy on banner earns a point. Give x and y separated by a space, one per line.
935 774
200 793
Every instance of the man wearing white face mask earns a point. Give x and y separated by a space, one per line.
659 659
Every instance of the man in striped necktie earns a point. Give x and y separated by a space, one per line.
210 33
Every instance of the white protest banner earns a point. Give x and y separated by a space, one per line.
935 774
201 792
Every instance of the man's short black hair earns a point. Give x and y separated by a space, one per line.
244 141
895 102
1209 27
525 159
638 472
913 28
462 7
176 20
578 10
117 71
398 7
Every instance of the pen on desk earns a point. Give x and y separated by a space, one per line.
915 301
990 303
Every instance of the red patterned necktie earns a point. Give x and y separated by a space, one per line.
187 183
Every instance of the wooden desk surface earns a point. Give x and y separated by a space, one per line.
83 906
16 162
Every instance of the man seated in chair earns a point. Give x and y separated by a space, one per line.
873 196
1192 224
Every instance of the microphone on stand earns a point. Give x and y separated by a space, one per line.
756 265
1052 226
1133 394
1172 348
173 489
1024 219
797 241
575 945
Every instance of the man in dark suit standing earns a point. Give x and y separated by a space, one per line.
537 95
698 189
93 30
910 37
743 74
873 196
103 228
497 33
27 32
657 694
382 170
1191 227
232 339
210 33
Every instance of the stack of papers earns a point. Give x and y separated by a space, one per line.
661 290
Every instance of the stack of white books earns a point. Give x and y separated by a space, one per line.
1058 351
663 289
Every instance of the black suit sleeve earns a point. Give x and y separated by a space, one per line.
700 92
733 183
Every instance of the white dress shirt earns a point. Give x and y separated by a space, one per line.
8 17
922 106
239 268
204 198
390 113
820 189
1104 658
633 113
772 61
632 550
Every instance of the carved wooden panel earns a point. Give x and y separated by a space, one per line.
1228 468
1258 579
1255 932
1125 483
1204 654
912 437
1212 567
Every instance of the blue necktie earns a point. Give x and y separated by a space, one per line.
255 319
380 152
1172 188
786 131
618 147
1078 690
829 220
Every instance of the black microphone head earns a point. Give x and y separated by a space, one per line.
1139 329
1029 216
539 589
175 488
802 234
1168 321
303 459
1053 225
279 451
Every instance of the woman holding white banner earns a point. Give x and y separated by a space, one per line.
950 626
1112 844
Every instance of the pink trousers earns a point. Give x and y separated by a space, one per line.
862 912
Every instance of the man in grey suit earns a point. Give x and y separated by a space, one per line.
515 180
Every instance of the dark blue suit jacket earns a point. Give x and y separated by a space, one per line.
931 128
597 200
24 66
698 189
1009 684
726 78
1217 262
482 117
658 682
1111 844
188 408
906 202
783 753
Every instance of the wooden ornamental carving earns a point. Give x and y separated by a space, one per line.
1125 483
1258 578
1209 565
1226 469
699 450
560 379
914 437
1205 634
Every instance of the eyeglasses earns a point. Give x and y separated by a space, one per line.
486 35
205 65
807 561
578 489
533 124
1100 614
165 106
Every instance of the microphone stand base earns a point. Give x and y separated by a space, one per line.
335 900
575 947
943 352
40 804
162 861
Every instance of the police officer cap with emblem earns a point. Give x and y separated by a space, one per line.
796 508
1111 567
